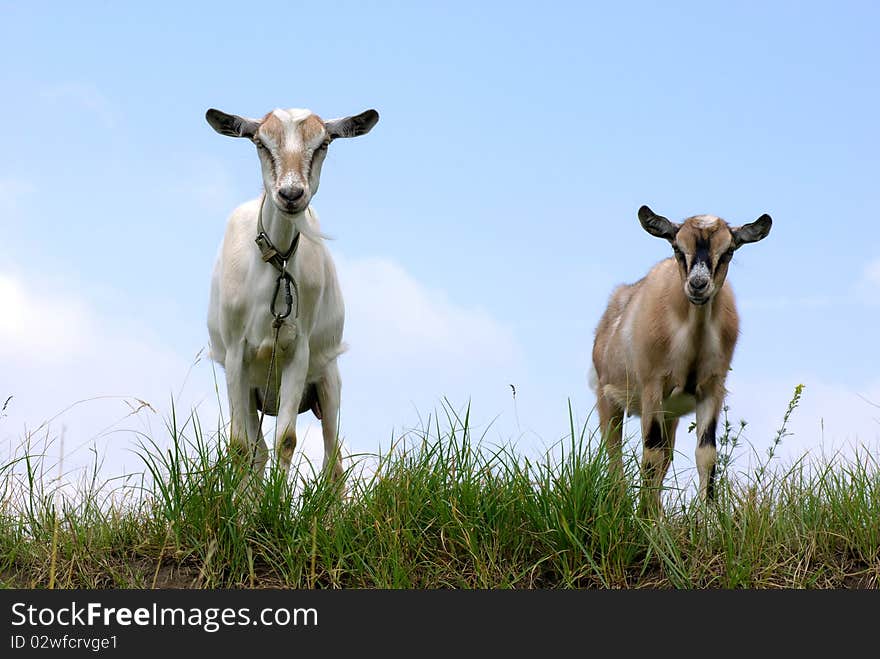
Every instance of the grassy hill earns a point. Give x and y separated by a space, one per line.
440 511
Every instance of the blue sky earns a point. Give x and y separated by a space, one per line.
478 230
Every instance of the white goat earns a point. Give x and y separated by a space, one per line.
263 265
664 345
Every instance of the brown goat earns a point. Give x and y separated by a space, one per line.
664 345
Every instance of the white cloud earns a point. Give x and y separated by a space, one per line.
44 327
410 347
397 317
76 372
831 417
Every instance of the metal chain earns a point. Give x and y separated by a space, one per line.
288 296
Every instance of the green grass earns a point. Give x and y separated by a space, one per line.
440 510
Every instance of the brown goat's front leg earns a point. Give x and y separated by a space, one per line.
658 442
611 427
709 401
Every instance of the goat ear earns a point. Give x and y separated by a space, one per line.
231 124
752 232
657 225
354 126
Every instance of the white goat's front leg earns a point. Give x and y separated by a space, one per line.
708 407
329 393
293 381
246 438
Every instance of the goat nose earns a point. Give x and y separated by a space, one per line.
291 194
698 284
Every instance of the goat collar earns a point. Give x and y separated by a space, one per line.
279 261
269 252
